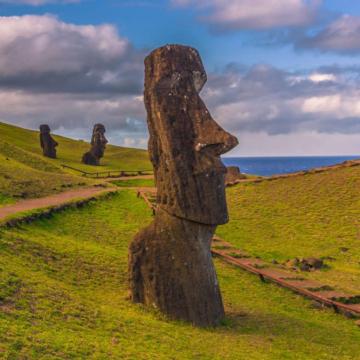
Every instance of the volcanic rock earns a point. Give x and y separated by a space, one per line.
308 264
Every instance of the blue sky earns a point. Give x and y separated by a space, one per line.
283 74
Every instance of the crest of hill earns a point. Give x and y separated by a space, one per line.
26 173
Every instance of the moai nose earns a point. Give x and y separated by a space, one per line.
215 138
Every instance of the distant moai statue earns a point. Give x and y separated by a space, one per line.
233 175
170 263
48 144
98 145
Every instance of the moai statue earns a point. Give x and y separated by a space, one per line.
233 175
98 145
170 263
48 144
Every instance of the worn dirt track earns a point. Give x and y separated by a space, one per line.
138 177
52 200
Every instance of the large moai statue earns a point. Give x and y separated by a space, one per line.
98 145
170 263
47 143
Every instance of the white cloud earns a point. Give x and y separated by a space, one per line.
44 54
322 104
40 44
296 144
339 106
69 76
318 77
341 36
135 142
255 14
71 111
73 76
268 100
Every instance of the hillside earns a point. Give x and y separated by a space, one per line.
25 173
63 295
311 215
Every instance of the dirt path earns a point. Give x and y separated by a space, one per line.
141 177
52 200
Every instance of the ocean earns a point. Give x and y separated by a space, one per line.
267 166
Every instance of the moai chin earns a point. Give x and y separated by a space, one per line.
47 143
98 145
170 263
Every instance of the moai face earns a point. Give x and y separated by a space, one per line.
185 141
44 129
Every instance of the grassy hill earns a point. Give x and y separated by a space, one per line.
63 281
313 215
63 295
25 173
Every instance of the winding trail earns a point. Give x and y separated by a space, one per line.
224 250
138 177
51 200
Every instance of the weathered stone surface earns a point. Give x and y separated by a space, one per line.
98 145
233 175
308 264
170 265
47 143
171 268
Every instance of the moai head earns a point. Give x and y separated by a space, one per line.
185 142
98 141
48 144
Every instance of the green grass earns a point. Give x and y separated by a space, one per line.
315 215
26 173
18 180
134 183
5 200
63 295
70 151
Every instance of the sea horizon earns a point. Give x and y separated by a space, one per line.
289 156
277 165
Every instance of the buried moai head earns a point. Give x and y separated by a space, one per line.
98 145
185 142
48 144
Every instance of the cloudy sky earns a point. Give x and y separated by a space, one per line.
284 75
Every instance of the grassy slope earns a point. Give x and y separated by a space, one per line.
24 172
63 295
135 183
311 215
18 180
70 151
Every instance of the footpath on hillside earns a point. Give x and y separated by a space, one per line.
345 303
51 200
